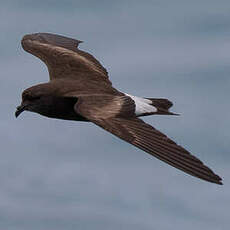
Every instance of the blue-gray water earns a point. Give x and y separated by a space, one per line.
66 175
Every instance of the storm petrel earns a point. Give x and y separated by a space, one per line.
79 89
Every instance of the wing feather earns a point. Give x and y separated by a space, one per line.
152 141
63 58
145 137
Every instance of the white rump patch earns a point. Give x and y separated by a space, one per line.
142 105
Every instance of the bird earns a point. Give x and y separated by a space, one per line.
79 89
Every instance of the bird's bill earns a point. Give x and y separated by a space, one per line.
20 109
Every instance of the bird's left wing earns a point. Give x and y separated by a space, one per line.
115 114
64 59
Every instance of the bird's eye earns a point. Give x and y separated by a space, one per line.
34 98
31 97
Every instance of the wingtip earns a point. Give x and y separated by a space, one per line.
217 180
220 182
53 39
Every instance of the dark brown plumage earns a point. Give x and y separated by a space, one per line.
79 89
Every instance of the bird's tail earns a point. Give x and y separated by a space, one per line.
162 105
150 106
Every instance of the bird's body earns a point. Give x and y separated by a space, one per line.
79 89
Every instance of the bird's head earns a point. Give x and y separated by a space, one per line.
33 99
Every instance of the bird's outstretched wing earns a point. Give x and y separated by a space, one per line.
63 58
114 115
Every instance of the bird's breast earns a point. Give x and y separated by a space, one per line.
60 108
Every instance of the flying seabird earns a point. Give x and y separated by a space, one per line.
79 89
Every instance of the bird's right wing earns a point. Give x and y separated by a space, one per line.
142 135
64 59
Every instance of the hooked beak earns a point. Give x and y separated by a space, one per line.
20 109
